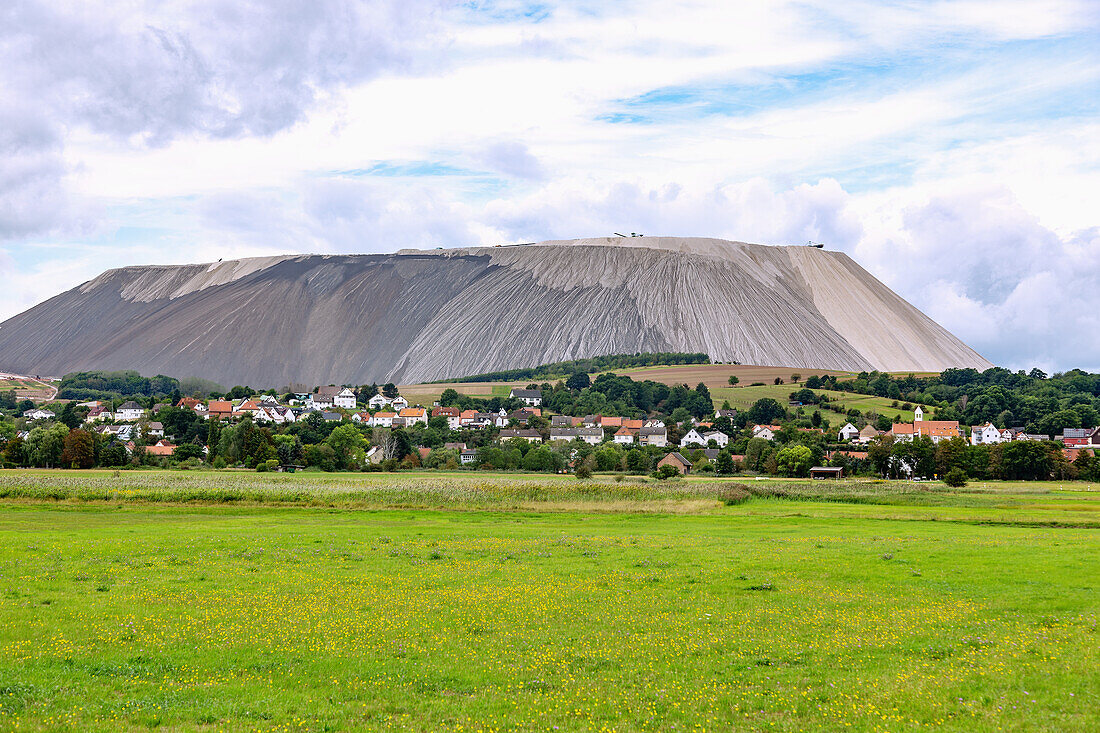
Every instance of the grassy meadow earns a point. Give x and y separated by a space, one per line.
243 601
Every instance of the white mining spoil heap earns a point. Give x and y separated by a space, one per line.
423 315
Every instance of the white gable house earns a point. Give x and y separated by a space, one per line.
848 432
345 398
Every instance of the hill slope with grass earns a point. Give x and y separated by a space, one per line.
417 316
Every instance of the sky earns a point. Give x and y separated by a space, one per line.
952 148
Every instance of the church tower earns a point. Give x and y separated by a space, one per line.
918 414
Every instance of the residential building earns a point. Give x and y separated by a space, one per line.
344 399
528 434
592 436
848 432
453 415
154 429
467 456
767 432
624 436
1075 437
677 461
129 410
414 415
378 401
162 448
653 435
563 433
720 439
399 403
937 430
693 437
986 434
725 413
220 408
532 397
383 419
361 417
39 413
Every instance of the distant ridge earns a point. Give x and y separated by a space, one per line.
417 316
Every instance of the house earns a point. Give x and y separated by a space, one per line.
383 419
532 397
375 454
725 413
453 415
1075 437
399 403
563 433
162 448
677 461
332 416
344 399
499 419
321 400
530 435
848 432
634 425
653 435
654 422
1094 439
202 411
1034 436
767 432
122 432
188 403
609 421
455 446
154 429
693 437
868 434
129 410
378 401
937 430
361 417
624 436
720 439
467 456
220 408
414 415
985 434
39 413
561 421
591 421
475 419
98 413
523 414
824 472
592 436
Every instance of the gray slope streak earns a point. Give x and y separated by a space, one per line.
415 316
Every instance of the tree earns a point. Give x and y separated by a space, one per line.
794 460
389 391
638 461
666 472
733 380
539 459
724 463
68 417
578 381
44 445
766 411
449 398
347 444
78 449
188 450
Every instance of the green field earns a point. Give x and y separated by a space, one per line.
243 601
742 398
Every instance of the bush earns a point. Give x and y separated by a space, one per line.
583 471
666 472
956 478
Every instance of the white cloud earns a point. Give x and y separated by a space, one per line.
952 147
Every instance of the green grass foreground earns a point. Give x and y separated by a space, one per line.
530 603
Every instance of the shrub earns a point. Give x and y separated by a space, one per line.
583 471
956 477
666 472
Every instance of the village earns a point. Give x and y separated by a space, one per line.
463 435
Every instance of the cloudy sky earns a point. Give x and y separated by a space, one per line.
951 147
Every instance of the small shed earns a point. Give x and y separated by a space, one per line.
824 472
